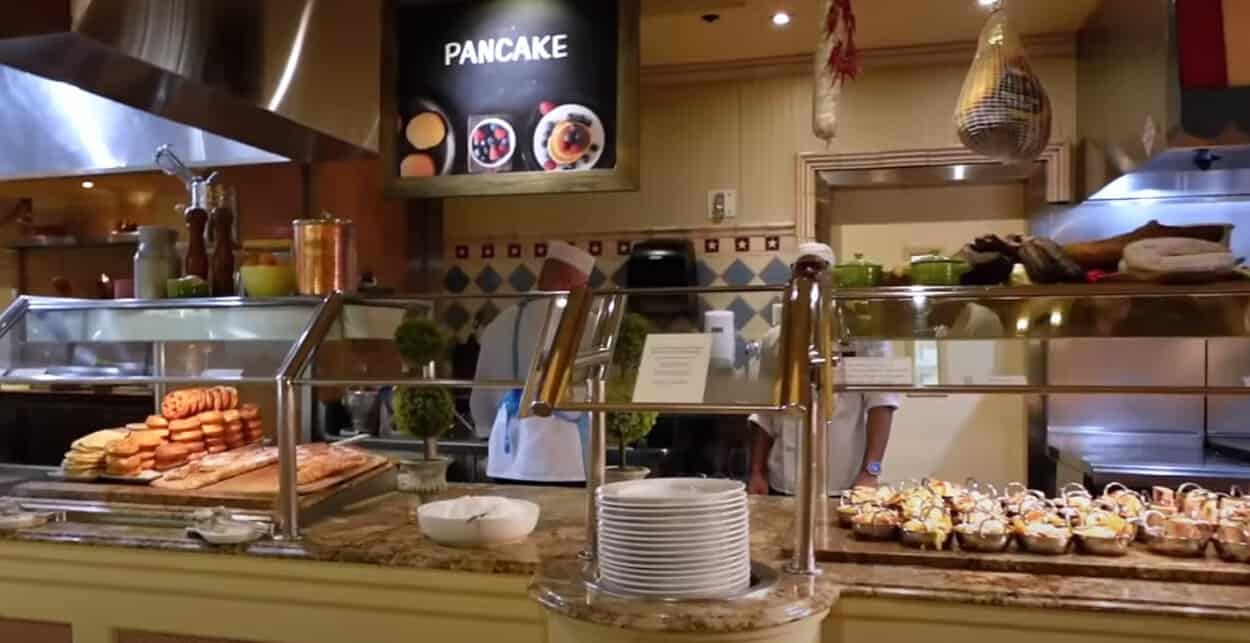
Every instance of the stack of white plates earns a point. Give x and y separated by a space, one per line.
679 538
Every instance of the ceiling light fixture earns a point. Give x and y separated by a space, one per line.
781 19
87 185
989 4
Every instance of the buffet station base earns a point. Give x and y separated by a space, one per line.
368 574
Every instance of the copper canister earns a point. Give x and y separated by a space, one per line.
325 255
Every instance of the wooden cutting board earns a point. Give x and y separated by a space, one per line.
264 481
255 490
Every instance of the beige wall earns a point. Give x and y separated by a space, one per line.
888 226
745 135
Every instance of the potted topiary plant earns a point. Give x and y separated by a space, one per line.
628 428
421 344
423 412
427 413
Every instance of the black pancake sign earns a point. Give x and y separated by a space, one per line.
485 61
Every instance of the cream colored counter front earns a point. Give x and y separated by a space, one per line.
368 577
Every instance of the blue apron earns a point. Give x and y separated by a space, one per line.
511 403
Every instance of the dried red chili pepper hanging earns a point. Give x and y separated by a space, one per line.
837 59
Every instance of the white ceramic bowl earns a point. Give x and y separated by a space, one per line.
478 521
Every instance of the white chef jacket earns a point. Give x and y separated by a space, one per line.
848 435
534 449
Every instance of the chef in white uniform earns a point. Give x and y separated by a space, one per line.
533 450
857 438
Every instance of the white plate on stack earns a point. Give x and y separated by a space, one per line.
677 538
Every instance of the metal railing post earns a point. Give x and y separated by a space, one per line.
289 411
597 467
794 397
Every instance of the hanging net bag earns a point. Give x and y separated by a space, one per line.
1003 111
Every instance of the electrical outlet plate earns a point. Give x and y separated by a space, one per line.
722 204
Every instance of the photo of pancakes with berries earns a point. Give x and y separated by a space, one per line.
497 86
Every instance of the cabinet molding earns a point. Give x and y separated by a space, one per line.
1057 159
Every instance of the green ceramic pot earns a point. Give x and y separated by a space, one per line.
857 274
937 270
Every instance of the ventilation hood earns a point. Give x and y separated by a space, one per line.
91 86
1159 107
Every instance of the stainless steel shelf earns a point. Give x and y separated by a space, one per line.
1068 291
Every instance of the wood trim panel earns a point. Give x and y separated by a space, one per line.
35 632
1057 158
1039 46
779 228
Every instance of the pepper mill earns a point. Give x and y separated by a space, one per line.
196 214
222 219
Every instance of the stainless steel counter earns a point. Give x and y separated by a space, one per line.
1147 465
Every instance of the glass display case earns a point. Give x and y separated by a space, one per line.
1090 359
287 357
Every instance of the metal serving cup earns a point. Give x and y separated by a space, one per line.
846 516
874 529
924 540
1095 546
1178 547
978 541
1233 552
1232 542
1045 545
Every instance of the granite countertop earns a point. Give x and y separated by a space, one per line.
383 531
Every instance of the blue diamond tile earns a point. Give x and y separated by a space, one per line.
738 274
597 278
486 314
456 317
488 280
456 281
704 275
743 312
621 276
769 315
776 273
522 279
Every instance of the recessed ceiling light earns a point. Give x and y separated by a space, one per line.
87 185
781 18
989 4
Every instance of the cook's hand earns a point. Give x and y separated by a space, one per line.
758 485
866 479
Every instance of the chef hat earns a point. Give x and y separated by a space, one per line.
818 250
572 256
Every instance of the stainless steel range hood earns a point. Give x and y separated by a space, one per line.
1145 135
91 86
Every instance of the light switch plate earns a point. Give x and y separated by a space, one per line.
722 204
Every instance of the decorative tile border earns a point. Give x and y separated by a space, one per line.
601 247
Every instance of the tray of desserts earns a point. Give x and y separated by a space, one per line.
1187 534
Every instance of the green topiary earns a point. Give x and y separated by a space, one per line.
420 341
425 412
630 340
627 428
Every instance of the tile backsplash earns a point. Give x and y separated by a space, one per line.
485 270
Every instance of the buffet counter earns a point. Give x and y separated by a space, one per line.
368 569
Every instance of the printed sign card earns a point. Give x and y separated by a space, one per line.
673 369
